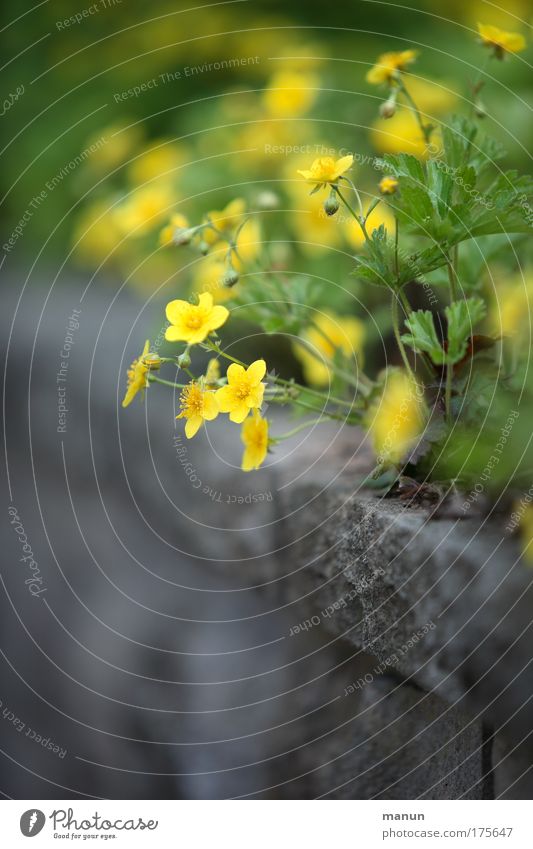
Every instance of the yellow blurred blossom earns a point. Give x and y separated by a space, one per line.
432 96
119 142
315 231
380 215
96 237
290 94
500 41
143 210
330 333
511 308
396 419
225 220
138 373
174 231
388 185
209 273
248 242
158 161
243 392
254 435
389 65
192 323
212 372
326 169
401 134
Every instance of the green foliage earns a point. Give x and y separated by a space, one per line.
423 336
461 318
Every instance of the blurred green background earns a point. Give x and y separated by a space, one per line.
195 136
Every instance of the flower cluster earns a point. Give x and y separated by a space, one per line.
414 227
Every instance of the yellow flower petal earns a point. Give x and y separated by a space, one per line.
235 373
192 426
224 399
256 371
239 413
211 410
174 310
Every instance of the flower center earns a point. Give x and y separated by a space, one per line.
194 320
192 401
323 168
242 390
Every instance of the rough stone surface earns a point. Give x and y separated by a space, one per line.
189 648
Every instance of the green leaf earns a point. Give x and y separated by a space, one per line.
423 336
462 316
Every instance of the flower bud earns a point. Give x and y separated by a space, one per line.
268 200
388 108
203 248
152 362
184 360
230 278
388 185
182 236
331 205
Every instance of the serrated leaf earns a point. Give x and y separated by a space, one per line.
423 336
462 316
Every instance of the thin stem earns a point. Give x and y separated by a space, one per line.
356 193
452 280
397 335
448 392
153 379
426 129
282 382
300 427
353 213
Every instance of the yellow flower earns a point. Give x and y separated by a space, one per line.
380 215
224 220
501 42
401 134
120 141
192 323
397 418
316 232
171 233
332 333
248 242
290 94
511 307
143 210
388 185
243 392
389 65
138 373
96 237
254 435
155 162
212 372
197 405
209 272
325 169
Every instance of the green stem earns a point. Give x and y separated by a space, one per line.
282 382
352 212
397 335
298 428
153 379
426 130
448 392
